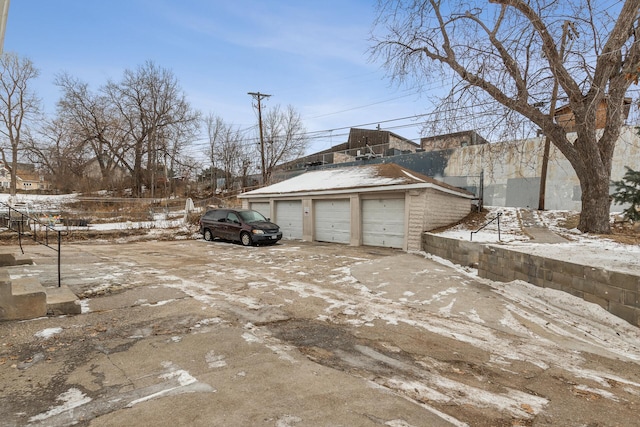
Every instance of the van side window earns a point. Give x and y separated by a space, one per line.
215 214
232 217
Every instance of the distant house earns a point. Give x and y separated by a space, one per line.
27 178
564 115
452 140
92 170
380 142
362 143
5 177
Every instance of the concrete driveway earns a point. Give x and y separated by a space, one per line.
307 334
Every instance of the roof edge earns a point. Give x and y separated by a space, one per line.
379 188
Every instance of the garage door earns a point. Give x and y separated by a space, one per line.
263 207
289 218
383 222
332 221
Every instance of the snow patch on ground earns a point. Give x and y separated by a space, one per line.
70 399
48 333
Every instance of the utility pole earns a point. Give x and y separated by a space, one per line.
258 97
552 112
4 13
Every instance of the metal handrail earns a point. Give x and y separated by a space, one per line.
20 219
497 217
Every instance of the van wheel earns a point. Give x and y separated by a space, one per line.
207 235
245 239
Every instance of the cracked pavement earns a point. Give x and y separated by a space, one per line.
217 334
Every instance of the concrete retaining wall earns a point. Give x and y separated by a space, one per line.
617 292
457 251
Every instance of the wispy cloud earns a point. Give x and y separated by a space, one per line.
313 31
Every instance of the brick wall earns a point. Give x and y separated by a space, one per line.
617 292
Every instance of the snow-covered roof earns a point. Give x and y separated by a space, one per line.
379 177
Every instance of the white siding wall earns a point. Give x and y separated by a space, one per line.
417 207
444 209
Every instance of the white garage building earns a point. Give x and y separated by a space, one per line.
378 205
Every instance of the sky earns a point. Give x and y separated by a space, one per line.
312 55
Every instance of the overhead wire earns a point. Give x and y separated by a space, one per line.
343 131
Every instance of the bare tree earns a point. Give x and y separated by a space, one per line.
172 146
215 130
226 151
511 52
150 105
284 137
93 122
18 105
58 152
229 154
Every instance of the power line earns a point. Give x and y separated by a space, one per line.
471 112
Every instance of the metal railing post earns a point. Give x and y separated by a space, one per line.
497 217
20 222
59 264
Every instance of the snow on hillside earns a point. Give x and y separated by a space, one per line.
581 248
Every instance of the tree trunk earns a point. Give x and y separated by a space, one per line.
137 172
14 168
596 202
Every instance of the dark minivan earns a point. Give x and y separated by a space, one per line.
243 225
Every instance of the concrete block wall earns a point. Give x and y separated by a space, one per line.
615 291
455 250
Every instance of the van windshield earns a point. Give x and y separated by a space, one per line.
251 216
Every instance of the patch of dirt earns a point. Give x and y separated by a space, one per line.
622 231
137 234
473 221
569 221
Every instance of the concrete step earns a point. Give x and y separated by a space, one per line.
26 298
9 259
61 300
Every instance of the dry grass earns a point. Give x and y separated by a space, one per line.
472 221
621 231
624 233
118 209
